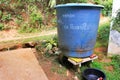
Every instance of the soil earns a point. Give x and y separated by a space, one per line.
109 68
101 49
51 67
101 52
103 58
12 34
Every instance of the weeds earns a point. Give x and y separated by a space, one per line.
103 32
25 28
60 70
115 74
97 65
48 47
6 17
1 26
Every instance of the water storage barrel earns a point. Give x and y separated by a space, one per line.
77 28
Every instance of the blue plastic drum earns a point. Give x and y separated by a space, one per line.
77 28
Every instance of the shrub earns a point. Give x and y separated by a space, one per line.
107 7
36 19
103 32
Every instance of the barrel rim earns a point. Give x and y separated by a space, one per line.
79 5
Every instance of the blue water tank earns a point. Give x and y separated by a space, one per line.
77 28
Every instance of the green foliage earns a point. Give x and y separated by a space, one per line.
103 32
111 75
23 11
36 19
115 62
48 47
1 26
101 44
107 7
51 47
116 22
115 74
4 1
97 65
25 28
6 17
51 43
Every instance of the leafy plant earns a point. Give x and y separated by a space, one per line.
51 43
48 47
6 17
1 26
107 7
19 20
51 46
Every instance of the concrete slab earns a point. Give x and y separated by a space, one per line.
20 64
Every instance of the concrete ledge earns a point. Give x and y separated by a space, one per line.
20 64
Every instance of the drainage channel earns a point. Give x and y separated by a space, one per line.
20 45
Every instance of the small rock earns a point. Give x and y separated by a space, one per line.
75 78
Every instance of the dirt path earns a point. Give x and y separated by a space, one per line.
14 35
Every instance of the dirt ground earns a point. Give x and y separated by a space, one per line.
51 68
48 64
14 35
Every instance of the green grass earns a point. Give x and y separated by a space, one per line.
58 69
101 44
103 35
26 29
110 75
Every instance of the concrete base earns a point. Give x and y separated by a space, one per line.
20 64
113 49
